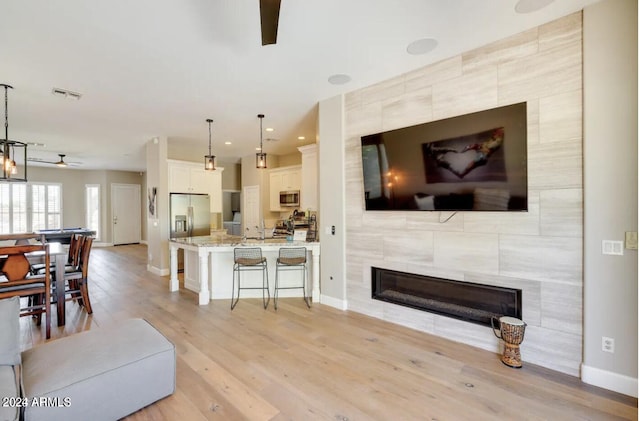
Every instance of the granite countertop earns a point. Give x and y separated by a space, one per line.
236 241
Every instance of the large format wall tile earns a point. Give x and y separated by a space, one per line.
545 74
553 349
562 307
363 119
560 33
538 251
435 221
561 213
409 247
512 48
556 259
407 110
468 252
556 165
468 93
561 117
428 76
383 90
405 316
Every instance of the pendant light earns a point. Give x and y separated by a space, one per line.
10 149
261 157
209 160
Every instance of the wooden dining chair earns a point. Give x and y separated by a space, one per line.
76 280
16 279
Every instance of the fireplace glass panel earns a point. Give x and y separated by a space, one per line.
475 303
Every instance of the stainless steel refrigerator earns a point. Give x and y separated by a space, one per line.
190 217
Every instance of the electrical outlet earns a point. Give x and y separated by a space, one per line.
608 344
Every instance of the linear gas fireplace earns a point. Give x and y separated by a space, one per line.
475 303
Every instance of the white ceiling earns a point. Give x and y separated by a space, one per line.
149 68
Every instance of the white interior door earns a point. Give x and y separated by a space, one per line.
250 210
125 213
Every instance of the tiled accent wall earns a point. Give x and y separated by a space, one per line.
539 251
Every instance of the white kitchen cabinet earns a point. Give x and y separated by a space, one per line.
282 179
275 181
191 271
290 180
179 178
190 177
214 182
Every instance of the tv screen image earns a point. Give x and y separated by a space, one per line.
471 162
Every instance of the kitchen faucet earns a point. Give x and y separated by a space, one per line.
260 230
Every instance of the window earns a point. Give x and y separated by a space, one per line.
26 207
92 199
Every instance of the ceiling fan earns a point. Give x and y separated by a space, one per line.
60 163
269 14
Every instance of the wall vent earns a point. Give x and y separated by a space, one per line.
63 93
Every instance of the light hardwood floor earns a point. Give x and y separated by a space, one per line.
301 364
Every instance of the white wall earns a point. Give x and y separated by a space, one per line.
611 192
73 182
332 203
158 228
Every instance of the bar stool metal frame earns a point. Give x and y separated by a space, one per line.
249 259
292 258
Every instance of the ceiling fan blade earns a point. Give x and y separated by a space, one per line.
60 163
269 15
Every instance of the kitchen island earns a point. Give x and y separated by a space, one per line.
208 266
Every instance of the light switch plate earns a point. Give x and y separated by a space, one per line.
631 240
612 247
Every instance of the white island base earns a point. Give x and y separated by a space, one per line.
208 268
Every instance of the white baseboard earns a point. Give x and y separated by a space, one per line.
99 244
609 380
157 271
333 302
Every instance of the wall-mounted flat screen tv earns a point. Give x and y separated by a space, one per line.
471 162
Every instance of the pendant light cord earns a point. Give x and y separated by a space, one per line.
6 113
209 121
261 133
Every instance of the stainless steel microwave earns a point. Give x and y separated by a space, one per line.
290 198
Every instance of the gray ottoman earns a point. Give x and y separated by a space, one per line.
101 374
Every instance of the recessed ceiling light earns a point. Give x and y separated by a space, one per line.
529 6
300 137
227 143
269 129
339 79
422 46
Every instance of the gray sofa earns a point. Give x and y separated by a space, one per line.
101 374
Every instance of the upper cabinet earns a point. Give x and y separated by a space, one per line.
190 177
290 179
282 179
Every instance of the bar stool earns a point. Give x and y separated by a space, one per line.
292 258
249 259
